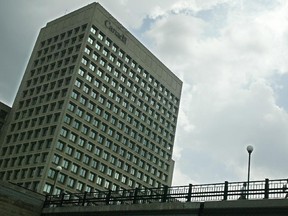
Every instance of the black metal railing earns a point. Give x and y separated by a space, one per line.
267 189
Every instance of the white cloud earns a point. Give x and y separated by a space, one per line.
227 99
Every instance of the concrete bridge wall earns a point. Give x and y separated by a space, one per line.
17 201
231 208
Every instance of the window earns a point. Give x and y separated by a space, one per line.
127 59
79 186
81 72
102 168
92 67
93 30
83 100
110 132
109 171
56 159
76 124
118 63
104 88
133 64
105 155
90 40
81 142
92 134
65 164
91 176
79 112
84 61
78 155
77 83
106 116
98 151
112 58
114 47
71 107
72 137
83 172
47 188
69 150
67 119
102 62
87 50
63 132
100 139
62 177
98 46
60 145
105 52
88 78
86 159
123 179
108 143
116 73
101 99
74 95
100 36
98 111
74 168
99 180
99 73
71 182
94 164
107 42
123 78
117 175
120 53
95 56
93 94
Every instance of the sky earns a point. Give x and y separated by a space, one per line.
232 56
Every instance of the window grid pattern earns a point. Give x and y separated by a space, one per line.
33 126
123 108
119 124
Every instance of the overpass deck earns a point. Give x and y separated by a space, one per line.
229 198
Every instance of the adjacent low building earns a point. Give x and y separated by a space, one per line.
4 111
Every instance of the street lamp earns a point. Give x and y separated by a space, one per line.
58 169
249 150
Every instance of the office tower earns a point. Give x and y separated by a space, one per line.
96 102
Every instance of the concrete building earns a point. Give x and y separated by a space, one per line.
96 102
4 111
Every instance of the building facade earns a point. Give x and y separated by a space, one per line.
96 102
4 111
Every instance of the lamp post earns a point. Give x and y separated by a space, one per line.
249 150
58 169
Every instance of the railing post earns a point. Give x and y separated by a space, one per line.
164 197
46 202
108 197
225 190
266 190
135 196
84 198
62 199
123 196
189 193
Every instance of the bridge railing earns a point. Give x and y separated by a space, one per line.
267 189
